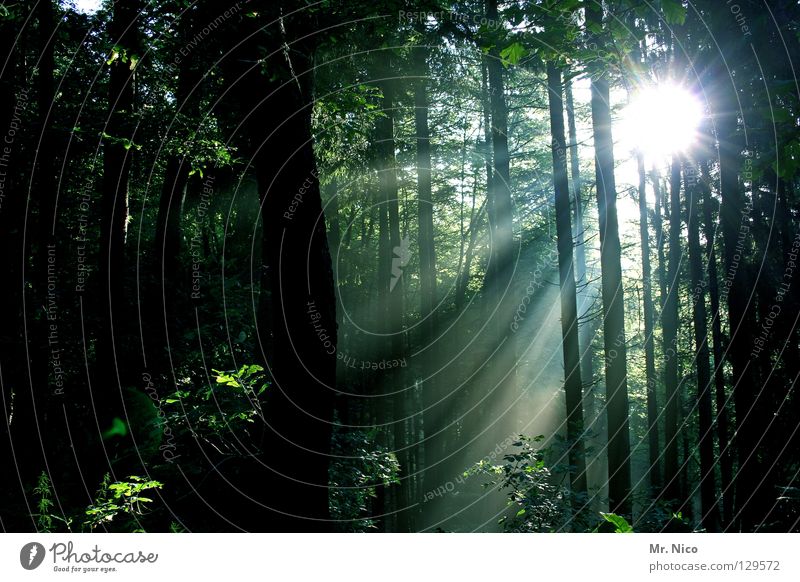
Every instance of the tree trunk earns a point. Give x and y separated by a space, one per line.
586 333
726 463
573 386
649 339
395 257
299 405
669 324
710 517
427 254
501 180
619 472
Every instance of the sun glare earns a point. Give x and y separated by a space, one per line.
661 120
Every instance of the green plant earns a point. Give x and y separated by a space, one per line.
120 498
359 468
218 411
45 517
619 522
538 502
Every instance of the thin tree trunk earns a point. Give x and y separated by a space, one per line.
487 129
619 472
649 339
726 463
581 276
710 517
573 386
427 252
669 324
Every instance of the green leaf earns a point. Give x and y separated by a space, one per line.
512 54
618 521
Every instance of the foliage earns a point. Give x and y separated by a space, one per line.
359 469
539 502
221 412
619 522
121 500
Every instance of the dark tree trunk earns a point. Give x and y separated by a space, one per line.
735 223
587 328
709 511
573 386
669 325
726 463
619 472
299 405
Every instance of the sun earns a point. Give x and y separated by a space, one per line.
661 120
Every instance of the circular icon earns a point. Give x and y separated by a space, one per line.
31 555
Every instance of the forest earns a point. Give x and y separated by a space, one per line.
399 266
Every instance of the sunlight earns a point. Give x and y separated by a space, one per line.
660 120
87 6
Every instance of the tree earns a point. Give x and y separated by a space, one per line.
669 324
573 386
704 389
616 374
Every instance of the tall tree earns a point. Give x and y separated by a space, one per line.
587 330
427 252
573 386
669 325
654 470
735 223
721 398
616 371
710 517
393 258
500 187
299 407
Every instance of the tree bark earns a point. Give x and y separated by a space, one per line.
299 405
726 462
669 324
710 517
573 386
395 259
427 253
587 328
619 472
649 338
